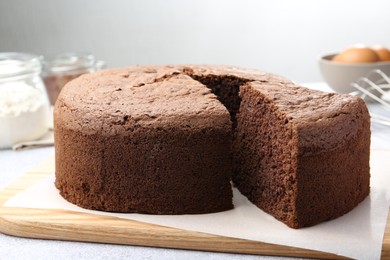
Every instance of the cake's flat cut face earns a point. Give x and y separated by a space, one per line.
291 146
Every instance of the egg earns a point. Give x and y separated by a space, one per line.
337 58
382 52
357 54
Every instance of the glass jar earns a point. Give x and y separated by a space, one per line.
24 105
61 68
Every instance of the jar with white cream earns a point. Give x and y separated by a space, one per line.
24 105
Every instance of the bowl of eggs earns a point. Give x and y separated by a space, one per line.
341 69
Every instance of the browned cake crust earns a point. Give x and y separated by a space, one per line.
151 139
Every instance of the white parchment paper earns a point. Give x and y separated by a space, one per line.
358 234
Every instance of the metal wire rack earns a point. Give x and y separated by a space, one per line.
374 88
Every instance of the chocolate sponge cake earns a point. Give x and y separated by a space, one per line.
154 139
151 145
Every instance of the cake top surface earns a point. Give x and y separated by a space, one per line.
302 105
160 94
233 71
125 97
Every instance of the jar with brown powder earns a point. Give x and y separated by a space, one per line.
62 68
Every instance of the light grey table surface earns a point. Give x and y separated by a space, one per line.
13 164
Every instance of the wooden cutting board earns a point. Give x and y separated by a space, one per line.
75 226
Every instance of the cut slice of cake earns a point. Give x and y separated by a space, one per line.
301 155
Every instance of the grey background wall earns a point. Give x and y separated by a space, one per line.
280 36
